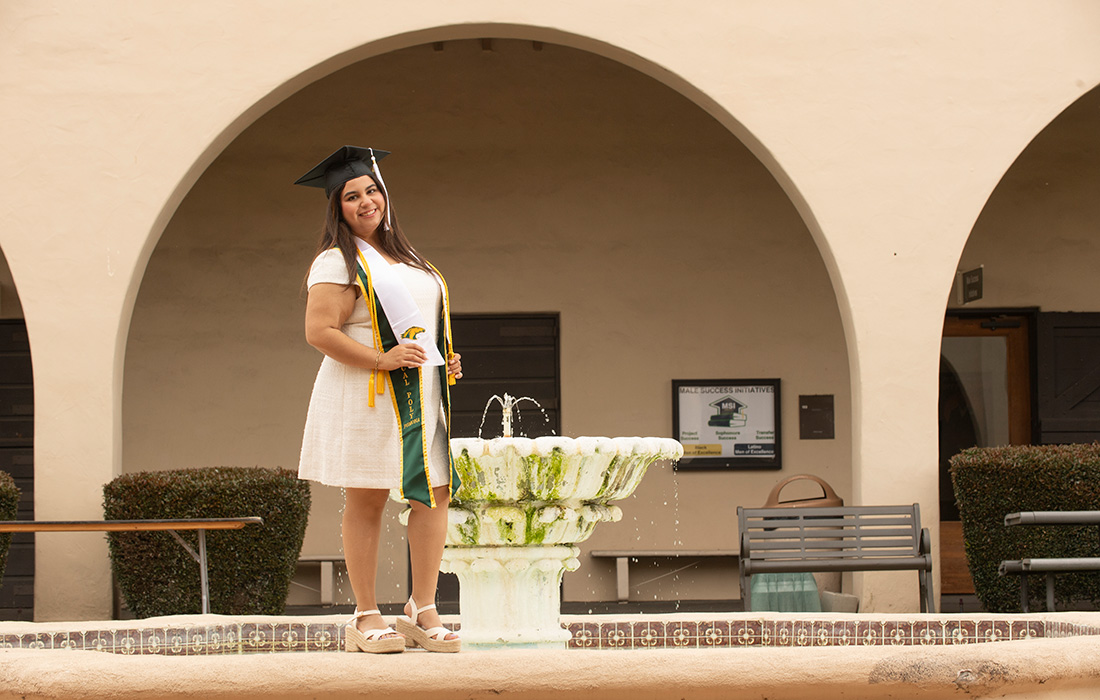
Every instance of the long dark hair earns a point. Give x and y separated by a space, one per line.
337 233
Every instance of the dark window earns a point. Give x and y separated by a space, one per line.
515 354
506 353
17 459
1069 377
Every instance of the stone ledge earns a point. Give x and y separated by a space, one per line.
1025 670
201 635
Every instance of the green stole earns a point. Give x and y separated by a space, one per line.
407 391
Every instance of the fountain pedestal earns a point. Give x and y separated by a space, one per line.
510 596
513 524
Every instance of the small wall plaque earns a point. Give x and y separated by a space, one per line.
815 417
970 285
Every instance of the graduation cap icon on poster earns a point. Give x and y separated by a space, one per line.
728 410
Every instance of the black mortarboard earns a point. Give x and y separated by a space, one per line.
347 163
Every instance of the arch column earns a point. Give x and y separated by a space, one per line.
78 391
892 282
895 398
76 312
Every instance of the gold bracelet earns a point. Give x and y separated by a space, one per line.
377 358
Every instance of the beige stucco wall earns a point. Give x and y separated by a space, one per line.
886 125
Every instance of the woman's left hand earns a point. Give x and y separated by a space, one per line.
454 365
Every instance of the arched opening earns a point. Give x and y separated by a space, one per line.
16 445
539 178
1035 242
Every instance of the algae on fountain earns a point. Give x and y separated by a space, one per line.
515 520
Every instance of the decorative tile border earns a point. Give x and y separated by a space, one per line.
722 634
298 636
232 638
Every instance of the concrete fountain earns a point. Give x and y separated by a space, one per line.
523 506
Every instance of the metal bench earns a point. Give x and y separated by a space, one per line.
1051 565
328 564
623 557
854 538
170 526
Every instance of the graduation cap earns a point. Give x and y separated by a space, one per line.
347 163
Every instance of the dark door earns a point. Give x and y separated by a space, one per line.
515 354
506 353
1069 377
17 458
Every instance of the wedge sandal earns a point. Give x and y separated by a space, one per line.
434 639
372 641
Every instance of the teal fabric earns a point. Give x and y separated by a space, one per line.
785 593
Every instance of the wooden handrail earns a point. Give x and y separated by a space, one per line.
167 525
127 525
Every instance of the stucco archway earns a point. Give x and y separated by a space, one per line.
539 177
16 445
1036 232
1035 242
475 32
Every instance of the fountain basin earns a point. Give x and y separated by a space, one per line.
522 506
546 490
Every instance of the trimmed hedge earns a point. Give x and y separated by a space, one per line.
991 482
9 510
249 569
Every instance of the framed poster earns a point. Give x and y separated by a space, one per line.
727 423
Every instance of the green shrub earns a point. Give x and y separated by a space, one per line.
9 510
249 569
994 481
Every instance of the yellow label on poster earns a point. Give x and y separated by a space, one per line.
699 450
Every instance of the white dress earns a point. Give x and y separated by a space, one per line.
347 443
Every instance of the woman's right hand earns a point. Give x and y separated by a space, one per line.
402 356
328 307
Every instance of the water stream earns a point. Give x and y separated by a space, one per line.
509 407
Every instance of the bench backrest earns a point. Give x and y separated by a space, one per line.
824 534
856 538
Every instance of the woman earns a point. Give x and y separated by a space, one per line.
379 313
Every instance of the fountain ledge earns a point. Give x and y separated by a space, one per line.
203 635
1030 669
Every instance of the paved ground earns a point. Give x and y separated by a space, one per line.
1062 668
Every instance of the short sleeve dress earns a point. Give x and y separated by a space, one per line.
348 443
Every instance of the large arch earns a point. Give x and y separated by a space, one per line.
1041 217
16 445
1035 241
474 31
627 166
56 555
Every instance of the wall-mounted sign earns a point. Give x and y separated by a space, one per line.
815 417
727 423
969 285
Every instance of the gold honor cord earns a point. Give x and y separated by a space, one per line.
365 286
448 352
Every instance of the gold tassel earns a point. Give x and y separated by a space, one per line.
370 389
